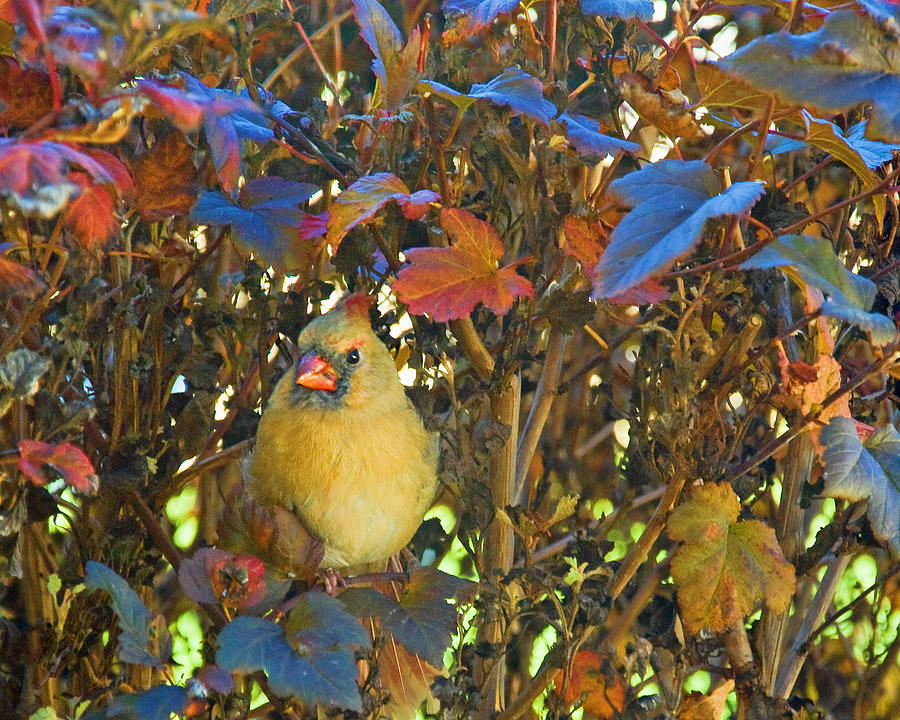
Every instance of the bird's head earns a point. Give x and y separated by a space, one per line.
342 361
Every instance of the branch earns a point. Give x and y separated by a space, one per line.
473 348
546 392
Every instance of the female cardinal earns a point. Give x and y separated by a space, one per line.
341 445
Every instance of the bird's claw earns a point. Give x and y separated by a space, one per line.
332 581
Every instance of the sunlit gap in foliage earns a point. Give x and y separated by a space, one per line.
453 562
181 510
327 97
722 44
187 642
539 649
58 523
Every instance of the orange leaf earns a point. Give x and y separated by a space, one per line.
359 203
447 283
603 691
698 706
165 179
64 460
584 239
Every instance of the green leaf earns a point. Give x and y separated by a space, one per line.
849 296
725 567
672 201
134 617
848 61
314 661
422 621
871 471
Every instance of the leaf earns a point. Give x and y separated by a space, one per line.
447 283
828 137
672 116
473 16
725 567
625 9
583 239
134 617
585 135
271 533
519 91
16 279
422 621
164 178
407 680
63 460
20 371
601 687
698 706
91 216
805 387
25 95
218 577
394 63
672 201
846 62
813 260
157 703
874 154
871 471
34 175
363 199
226 118
718 89
322 672
267 221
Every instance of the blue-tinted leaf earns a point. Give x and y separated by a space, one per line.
870 471
584 133
423 622
157 703
886 12
848 61
477 14
849 296
625 9
269 221
317 665
134 617
672 201
519 91
873 153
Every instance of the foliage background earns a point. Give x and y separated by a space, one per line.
648 457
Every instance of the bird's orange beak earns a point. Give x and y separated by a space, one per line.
316 373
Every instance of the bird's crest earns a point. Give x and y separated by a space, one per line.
358 305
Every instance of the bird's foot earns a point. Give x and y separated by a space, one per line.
332 581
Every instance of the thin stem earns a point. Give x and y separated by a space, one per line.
544 395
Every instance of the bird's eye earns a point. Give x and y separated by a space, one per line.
353 357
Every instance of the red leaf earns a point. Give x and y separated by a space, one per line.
24 94
29 13
64 460
237 580
17 279
447 283
649 292
91 216
359 203
185 112
313 226
121 178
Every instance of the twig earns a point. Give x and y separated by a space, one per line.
473 348
775 445
655 525
315 56
793 660
300 49
544 395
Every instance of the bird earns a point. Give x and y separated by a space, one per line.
341 446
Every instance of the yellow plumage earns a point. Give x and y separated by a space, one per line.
355 462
